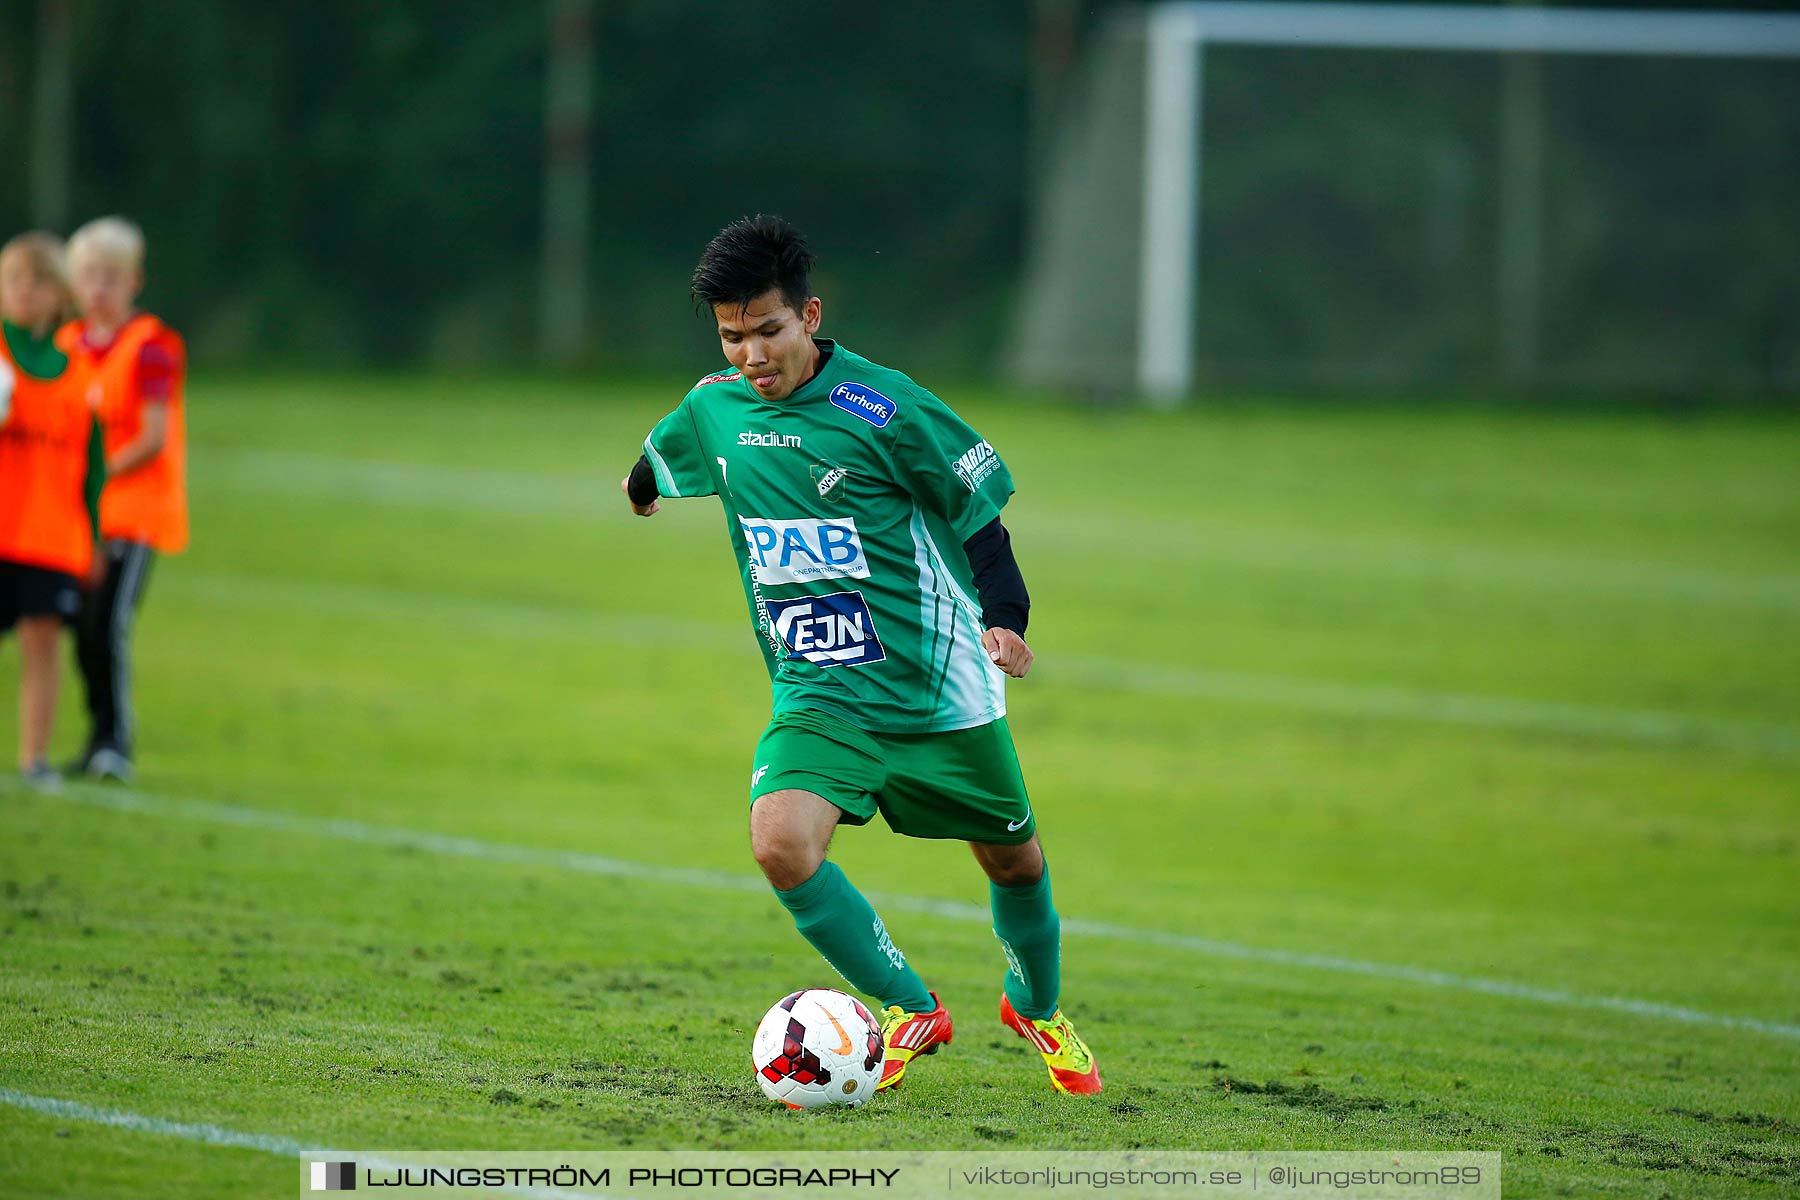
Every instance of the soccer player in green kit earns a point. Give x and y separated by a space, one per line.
865 517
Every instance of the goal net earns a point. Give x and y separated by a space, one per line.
1389 196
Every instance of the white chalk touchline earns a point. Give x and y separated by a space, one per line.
1361 701
218 1135
1347 700
192 1131
594 864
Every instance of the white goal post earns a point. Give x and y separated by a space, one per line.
1173 70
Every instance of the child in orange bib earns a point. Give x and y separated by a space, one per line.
49 484
135 370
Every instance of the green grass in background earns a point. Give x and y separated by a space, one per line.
1513 696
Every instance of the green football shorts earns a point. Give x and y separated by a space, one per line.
964 784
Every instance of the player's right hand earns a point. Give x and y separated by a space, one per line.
1008 650
647 510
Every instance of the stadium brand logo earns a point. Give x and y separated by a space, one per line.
721 377
830 631
976 463
768 439
803 550
333 1176
865 402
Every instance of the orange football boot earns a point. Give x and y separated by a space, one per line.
906 1035
1073 1068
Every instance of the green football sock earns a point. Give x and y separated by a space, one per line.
832 915
1031 934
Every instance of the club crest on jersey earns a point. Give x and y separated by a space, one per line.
865 402
830 481
803 550
831 631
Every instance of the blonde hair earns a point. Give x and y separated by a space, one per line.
44 251
111 238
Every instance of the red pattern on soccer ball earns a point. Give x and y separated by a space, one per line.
795 1061
875 1050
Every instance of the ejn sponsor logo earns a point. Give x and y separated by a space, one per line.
334 1177
831 631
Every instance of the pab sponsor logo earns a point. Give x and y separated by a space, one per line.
831 631
721 377
865 402
976 463
803 550
768 439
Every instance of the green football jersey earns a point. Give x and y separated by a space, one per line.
847 504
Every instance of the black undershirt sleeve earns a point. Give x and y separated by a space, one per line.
642 485
1005 604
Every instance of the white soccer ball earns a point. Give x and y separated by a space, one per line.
818 1047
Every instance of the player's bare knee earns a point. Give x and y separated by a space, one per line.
788 838
1011 866
1020 876
786 862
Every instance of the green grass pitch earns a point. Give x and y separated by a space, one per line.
1476 697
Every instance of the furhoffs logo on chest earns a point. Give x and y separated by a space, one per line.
865 402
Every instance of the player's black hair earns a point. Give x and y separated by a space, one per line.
750 256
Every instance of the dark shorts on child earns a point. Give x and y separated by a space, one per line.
28 591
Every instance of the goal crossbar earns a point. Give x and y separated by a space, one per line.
1177 33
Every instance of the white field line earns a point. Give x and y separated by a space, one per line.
520 493
124 800
1415 561
1323 697
218 1135
1365 701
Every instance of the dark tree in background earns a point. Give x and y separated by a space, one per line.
363 181
346 181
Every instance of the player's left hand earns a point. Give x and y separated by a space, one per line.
648 510
1008 650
